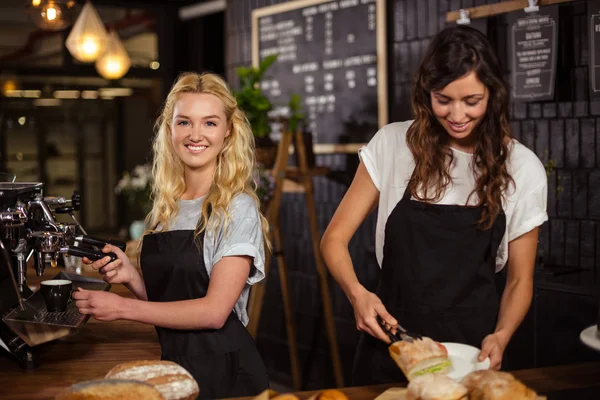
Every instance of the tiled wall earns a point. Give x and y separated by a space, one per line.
565 131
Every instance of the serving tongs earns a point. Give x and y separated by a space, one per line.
398 333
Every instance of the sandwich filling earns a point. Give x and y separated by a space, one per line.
435 368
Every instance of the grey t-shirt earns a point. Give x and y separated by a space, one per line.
243 237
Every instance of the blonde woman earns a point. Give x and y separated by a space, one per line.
205 243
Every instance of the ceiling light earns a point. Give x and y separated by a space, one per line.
12 93
88 38
115 62
47 102
31 94
51 15
116 92
66 94
155 65
22 121
89 94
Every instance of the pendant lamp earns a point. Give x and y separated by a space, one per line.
88 38
114 62
51 15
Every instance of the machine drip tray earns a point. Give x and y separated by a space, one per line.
35 325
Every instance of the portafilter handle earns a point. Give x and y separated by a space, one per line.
90 254
100 242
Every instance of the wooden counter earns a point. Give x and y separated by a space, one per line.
89 354
569 382
99 346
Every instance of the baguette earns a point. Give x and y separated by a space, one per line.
435 387
420 357
110 390
496 385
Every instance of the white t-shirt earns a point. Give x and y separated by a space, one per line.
390 164
243 237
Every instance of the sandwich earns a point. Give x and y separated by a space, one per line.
496 385
435 387
420 357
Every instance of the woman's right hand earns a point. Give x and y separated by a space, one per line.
119 271
367 306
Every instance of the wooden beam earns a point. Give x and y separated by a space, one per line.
498 8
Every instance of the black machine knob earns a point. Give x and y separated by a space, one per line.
76 200
89 253
101 242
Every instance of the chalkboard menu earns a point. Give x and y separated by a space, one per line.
332 54
533 40
593 8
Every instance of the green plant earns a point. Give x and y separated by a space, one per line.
550 167
251 99
256 105
295 106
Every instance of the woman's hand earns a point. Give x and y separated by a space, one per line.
493 346
104 306
367 306
119 271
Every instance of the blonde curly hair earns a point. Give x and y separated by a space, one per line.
235 163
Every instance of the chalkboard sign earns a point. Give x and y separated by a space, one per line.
533 40
332 54
593 8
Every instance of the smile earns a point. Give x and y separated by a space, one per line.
195 149
458 128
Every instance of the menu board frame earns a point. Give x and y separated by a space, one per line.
593 10
517 93
381 44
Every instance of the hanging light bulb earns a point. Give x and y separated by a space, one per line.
52 15
88 38
115 61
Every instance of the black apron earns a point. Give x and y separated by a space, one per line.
437 278
224 362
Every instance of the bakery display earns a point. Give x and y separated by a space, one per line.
496 385
170 379
435 387
420 357
114 389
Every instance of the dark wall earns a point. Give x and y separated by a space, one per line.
564 131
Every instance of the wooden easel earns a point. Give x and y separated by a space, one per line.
281 171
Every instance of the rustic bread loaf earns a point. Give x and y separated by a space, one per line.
114 389
496 385
170 379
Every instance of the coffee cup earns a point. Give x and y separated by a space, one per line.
57 293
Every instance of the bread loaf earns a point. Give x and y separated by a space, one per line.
435 387
496 385
420 357
114 389
170 379
331 394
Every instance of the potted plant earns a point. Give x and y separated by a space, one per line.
135 187
256 105
265 186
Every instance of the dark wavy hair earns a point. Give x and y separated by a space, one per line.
452 54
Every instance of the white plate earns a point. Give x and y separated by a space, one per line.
589 337
464 360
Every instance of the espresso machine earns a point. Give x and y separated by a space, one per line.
31 234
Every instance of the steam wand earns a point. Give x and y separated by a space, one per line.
12 275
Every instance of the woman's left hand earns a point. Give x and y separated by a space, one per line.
493 347
104 306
